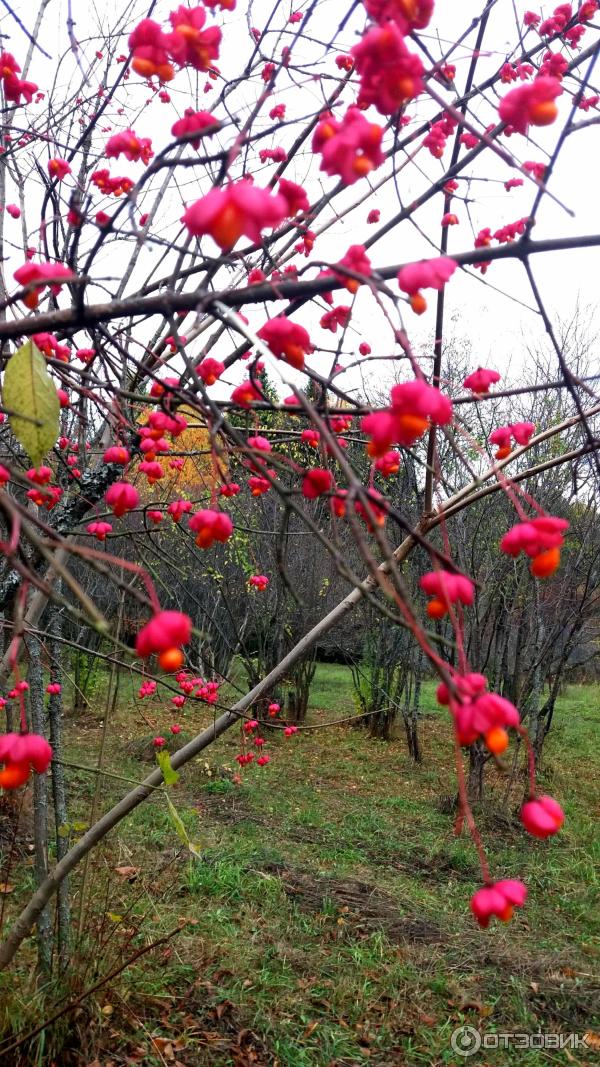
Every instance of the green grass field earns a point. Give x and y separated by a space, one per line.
329 904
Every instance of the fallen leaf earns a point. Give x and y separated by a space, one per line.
224 1008
164 1046
310 1029
472 1005
6 888
126 872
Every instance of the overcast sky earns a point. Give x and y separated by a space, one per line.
497 317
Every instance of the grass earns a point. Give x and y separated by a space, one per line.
326 919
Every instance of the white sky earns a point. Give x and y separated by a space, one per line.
496 324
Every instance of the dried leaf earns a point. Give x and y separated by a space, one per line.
471 1005
30 394
310 1029
6 888
224 1008
164 1046
127 872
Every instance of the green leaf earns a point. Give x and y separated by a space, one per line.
30 394
164 762
180 829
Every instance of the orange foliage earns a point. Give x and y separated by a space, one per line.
196 477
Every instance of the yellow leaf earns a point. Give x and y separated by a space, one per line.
30 395
164 761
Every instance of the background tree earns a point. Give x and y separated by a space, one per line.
203 321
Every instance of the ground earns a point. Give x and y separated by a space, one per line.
326 915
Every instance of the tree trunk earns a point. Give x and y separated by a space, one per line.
299 693
410 712
59 793
40 806
413 740
380 724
